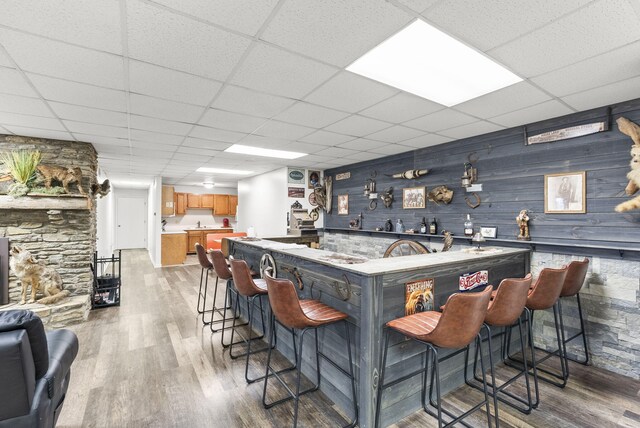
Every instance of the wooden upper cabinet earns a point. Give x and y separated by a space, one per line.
221 204
168 203
233 204
206 201
180 203
193 200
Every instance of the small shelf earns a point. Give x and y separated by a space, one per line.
44 202
107 280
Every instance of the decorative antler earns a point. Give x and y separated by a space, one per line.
630 129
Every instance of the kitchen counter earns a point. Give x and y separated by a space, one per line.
207 228
173 232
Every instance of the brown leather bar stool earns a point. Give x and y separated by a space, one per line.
576 274
505 310
544 295
303 315
455 328
221 268
205 266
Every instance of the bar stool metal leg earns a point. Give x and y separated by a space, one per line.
582 333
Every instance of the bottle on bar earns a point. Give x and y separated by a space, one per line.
468 226
423 226
433 227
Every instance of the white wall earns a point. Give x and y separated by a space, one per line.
153 222
105 211
202 215
263 203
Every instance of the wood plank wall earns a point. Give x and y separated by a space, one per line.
512 175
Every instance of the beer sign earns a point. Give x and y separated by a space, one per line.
469 281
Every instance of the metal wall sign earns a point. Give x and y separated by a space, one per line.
566 133
469 281
419 296
343 176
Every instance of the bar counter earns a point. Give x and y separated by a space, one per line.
372 292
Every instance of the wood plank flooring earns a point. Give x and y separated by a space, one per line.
150 362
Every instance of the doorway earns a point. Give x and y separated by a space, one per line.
131 223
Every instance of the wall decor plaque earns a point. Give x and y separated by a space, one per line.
296 176
343 176
418 296
295 192
472 280
566 133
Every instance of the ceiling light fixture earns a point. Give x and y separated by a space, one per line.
426 62
224 171
208 185
258 151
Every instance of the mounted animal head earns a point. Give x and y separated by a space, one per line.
441 194
387 197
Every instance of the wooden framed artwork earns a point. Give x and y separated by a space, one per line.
314 179
488 231
413 197
343 204
565 193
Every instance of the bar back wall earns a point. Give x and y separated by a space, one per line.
512 175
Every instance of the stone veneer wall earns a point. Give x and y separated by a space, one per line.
610 302
64 239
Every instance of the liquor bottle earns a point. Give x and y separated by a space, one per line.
468 226
399 226
433 227
423 226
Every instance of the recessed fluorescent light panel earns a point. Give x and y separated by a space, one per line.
426 62
224 171
257 151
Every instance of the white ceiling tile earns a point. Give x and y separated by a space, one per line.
395 134
151 155
120 142
391 149
363 156
336 152
618 64
89 115
155 146
92 23
472 129
504 100
325 138
161 82
532 114
5 61
4 130
311 115
164 38
170 110
196 151
486 24
443 119
79 93
334 31
8 119
357 126
227 13
12 82
402 107
104 149
274 128
40 133
426 141
216 134
275 71
95 129
24 105
37 54
280 144
155 137
608 94
349 92
241 100
418 5
159 125
593 30
361 144
231 121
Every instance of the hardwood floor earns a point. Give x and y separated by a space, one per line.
150 362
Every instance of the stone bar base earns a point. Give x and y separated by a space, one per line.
72 310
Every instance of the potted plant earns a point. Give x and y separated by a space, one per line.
22 167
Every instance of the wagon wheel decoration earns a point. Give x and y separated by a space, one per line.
267 265
315 213
405 247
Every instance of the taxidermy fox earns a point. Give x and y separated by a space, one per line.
632 130
43 279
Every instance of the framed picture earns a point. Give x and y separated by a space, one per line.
343 204
295 192
488 232
314 179
413 197
295 176
565 193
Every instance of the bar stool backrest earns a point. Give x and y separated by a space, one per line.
546 291
576 274
509 301
285 303
202 257
242 278
461 319
220 265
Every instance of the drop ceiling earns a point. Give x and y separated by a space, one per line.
164 87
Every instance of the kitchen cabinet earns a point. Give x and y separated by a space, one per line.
221 204
233 204
206 201
180 203
173 248
200 236
193 200
168 203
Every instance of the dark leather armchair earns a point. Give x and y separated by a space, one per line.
34 370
